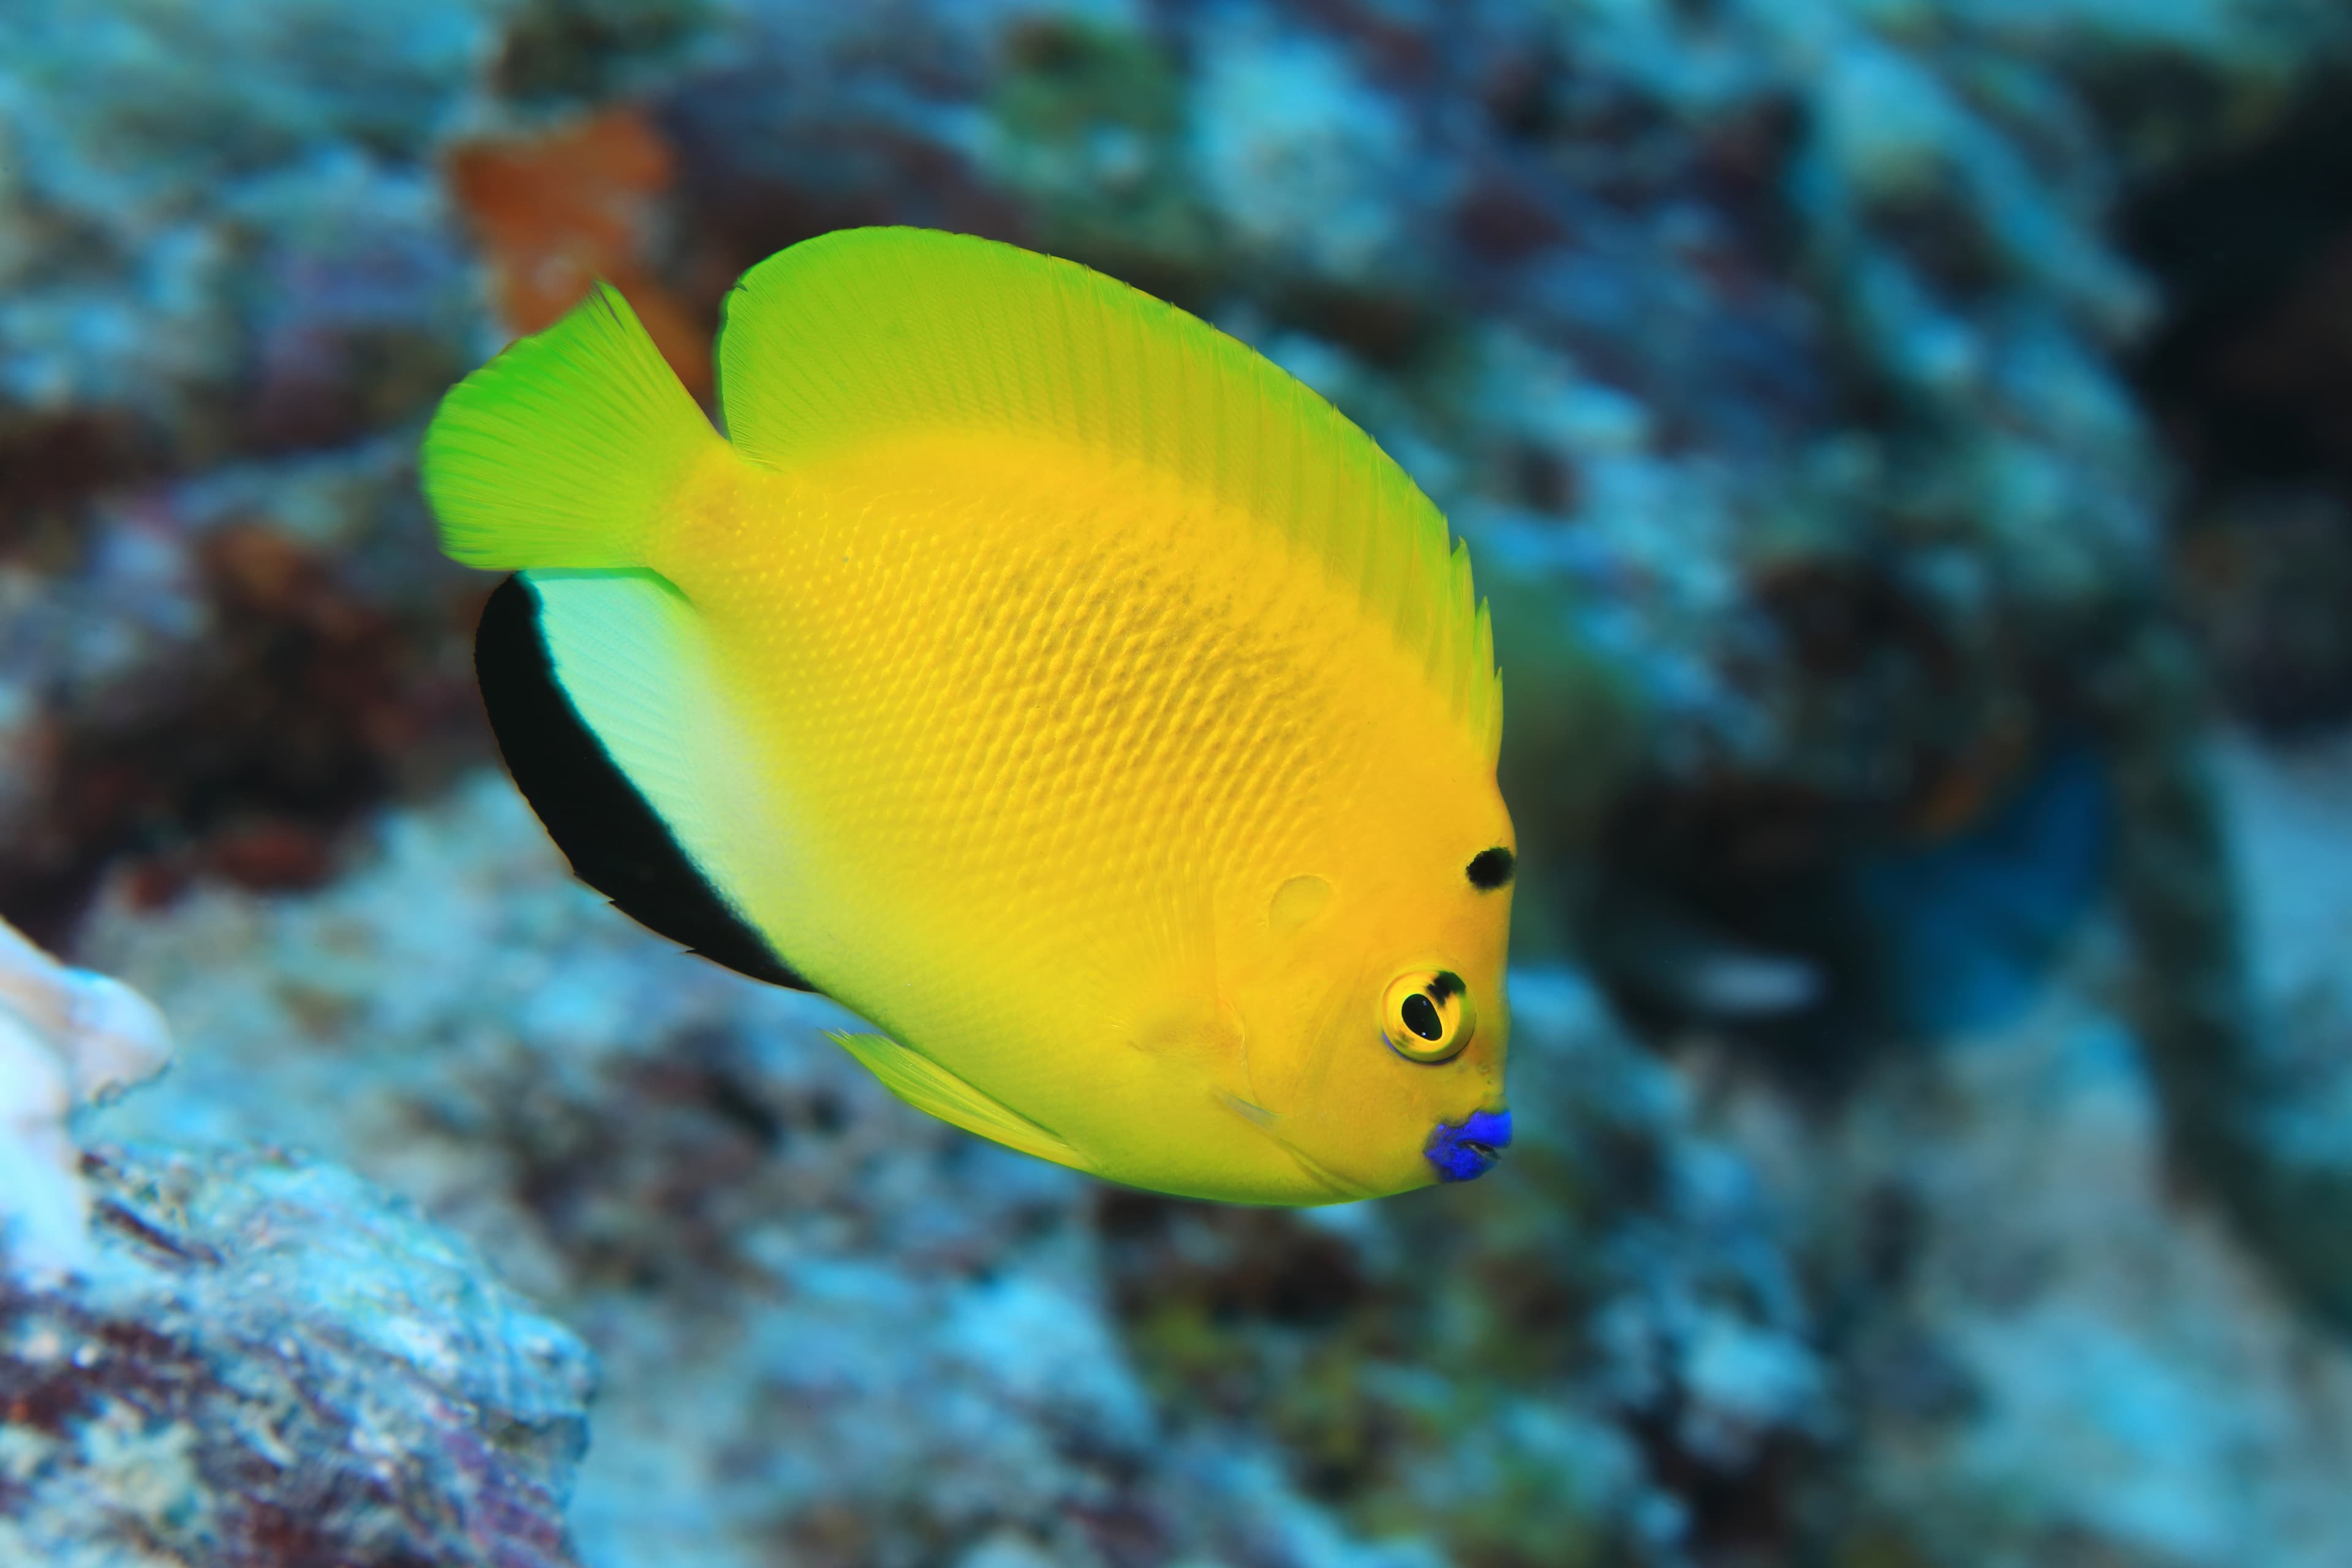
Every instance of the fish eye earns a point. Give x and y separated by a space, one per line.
1426 1016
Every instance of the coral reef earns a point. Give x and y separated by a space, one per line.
219 672
1900 439
841 1326
1411 1356
246 1357
68 1039
272 1364
827 1325
229 262
1690 1320
556 213
2103 1374
2245 377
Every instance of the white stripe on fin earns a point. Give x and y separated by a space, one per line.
632 655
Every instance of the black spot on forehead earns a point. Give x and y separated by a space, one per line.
1444 983
1490 868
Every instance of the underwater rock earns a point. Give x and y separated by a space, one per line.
231 667
1768 355
2274 1123
1858 645
2248 378
272 1363
1285 126
247 1357
825 1324
224 240
199 201
1599 1353
229 264
68 1039
2050 1354
1688 1317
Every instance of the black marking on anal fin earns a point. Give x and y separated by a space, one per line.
1490 868
616 842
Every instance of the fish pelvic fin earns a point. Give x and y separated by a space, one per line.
567 449
932 1089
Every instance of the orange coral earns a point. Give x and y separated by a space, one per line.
555 213
1973 783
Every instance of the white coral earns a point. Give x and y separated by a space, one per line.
68 1038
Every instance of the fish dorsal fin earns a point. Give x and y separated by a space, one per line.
931 1089
873 332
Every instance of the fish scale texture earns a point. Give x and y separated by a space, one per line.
1025 638
1054 730
1671 240
873 332
1112 719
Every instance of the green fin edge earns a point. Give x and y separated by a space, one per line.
564 451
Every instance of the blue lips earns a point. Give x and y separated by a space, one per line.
1467 1152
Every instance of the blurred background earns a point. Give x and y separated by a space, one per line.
1909 445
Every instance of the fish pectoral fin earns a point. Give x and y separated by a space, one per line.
1250 1111
932 1089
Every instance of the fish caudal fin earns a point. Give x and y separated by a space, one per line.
564 451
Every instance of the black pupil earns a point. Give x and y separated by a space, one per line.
1421 1016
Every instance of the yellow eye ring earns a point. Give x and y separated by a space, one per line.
1426 1016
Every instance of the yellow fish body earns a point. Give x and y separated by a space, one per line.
1036 671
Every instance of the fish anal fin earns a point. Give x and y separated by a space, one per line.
934 1090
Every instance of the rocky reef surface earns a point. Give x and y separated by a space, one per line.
69 1038
1691 1319
1903 441
833 1328
247 1357
266 1363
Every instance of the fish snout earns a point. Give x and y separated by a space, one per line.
1467 1151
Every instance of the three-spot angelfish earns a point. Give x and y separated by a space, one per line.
1038 672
